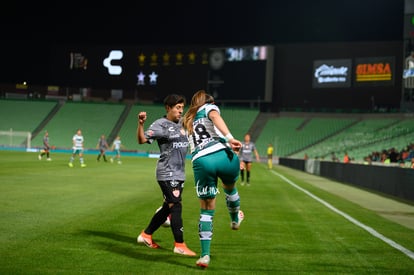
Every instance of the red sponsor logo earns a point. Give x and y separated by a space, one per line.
373 72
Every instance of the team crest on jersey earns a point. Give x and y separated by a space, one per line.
176 193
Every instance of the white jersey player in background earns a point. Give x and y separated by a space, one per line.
77 148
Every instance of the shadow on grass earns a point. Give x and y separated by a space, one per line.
166 255
110 235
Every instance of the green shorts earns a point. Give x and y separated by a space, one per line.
223 164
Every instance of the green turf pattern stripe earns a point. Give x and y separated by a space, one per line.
370 230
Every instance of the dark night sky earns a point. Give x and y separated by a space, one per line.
30 31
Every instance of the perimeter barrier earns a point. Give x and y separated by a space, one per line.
389 180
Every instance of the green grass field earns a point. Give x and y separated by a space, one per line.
61 220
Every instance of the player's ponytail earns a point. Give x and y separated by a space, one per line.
199 99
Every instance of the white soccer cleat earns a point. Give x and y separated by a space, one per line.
203 261
236 225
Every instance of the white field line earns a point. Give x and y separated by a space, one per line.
373 232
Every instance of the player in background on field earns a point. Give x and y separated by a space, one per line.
247 150
170 172
269 152
46 147
116 147
77 149
213 158
102 145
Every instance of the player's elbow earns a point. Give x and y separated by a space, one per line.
142 140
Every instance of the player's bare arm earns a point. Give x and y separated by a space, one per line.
142 117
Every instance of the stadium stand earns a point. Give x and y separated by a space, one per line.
22 115
367 136
239 120
94 119
361 132
293 134
128 131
